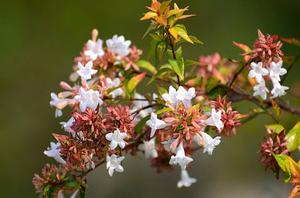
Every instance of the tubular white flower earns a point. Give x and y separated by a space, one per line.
59 103
276 71
149 148
186 180
86 72
257 71
54 152
116 139
171 96
210 143
113 163
67 125
278 90
180 158
185 96
261 90
94 49
215 119
180 96
155 124
88 99
118 45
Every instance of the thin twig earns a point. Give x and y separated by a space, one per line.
237 74
268 103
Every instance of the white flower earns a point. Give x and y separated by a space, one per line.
54 152
171 96
116 138
180 96
113 163
185 180
261 90
215 119
88 99
67 125
59 103
257 71
276 71
94 49
86 72
155 124
185 96
113 84
118 45
210 143
278 90
149 148
180 158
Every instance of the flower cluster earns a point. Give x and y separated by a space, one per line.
273 72
112 115
265 65
183 126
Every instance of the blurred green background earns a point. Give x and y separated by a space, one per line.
39 40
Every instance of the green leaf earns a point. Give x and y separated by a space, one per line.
277 128
178 53
162 70
196 40
180 31
160 50
164 110
293 138
191 63
146 65
140 125
282 161
288 166
178 67
134 81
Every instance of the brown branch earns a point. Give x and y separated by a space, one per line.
239 96
143 108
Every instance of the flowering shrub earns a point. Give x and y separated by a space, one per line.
189 106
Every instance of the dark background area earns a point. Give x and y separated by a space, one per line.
39 40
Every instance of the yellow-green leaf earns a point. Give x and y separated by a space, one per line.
134 81
179 31
287 165
293 138
148 15
146 65
277 128
178 67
